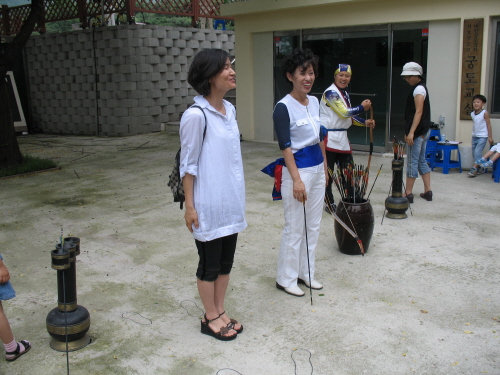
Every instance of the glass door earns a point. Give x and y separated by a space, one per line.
284 43
409 44
367 52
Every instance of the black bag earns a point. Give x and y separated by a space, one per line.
174 180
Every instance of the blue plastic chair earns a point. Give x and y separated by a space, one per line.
445 162
495 174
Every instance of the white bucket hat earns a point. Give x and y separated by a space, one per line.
412 69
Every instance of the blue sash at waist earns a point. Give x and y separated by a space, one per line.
309 156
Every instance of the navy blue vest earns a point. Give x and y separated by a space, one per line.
425 121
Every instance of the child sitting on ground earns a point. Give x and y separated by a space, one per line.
495 151
13 349
481 131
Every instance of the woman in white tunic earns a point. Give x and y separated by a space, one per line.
211 169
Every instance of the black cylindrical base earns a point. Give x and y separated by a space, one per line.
77 323
396 204
396 207
72 346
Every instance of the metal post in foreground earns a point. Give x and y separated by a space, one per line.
68 323
396 204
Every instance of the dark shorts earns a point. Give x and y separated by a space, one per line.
216 257
6 291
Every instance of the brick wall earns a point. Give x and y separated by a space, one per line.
141 79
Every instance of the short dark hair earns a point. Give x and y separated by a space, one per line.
480 97
299 58
206 64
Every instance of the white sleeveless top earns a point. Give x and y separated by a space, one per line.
480 128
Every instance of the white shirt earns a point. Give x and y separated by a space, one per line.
419 90
219 184
304 125
480 128
329 119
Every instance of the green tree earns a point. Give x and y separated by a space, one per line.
10 154
60 26
162 19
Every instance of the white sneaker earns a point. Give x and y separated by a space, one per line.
314 284
293 290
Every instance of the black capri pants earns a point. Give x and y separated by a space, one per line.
216 257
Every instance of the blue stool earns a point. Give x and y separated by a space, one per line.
496 171
445 162
435 133
219 22
430 148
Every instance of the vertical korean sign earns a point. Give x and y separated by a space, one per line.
471 65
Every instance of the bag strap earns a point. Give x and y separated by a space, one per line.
205 130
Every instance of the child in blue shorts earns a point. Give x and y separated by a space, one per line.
493 154
13 349
481 132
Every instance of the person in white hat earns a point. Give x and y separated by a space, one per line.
417 130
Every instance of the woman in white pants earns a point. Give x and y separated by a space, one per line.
297 125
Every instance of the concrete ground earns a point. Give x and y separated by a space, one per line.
424 299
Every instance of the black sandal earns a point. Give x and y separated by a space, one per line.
16 353
231 324
221 335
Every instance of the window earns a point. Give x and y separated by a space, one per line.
495 97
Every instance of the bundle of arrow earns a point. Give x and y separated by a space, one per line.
398 148
351 181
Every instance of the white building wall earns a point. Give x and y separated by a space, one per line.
263 81
443 73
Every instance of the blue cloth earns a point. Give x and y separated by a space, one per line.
309 156
6 289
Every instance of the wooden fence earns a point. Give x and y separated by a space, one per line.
11 19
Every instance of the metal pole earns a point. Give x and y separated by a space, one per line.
307 249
